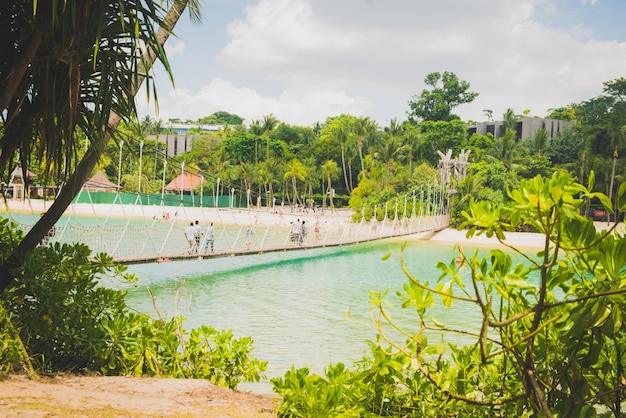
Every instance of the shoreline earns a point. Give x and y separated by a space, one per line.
277 216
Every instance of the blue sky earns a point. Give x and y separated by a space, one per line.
305 60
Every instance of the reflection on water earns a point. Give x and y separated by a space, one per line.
293 303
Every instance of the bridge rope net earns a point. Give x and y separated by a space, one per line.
143 233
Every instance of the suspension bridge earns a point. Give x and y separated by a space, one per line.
138 233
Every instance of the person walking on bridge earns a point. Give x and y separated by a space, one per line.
190 234
209 237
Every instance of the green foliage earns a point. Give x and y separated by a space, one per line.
494 176
221 118
217 356
68 321
311 395
446 92
239 146
547 339
480 145
565 147
442 136
536 165
10 354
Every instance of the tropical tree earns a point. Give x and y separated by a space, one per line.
510 120
257 130
295 171
71 66
331 172
269 123
414 142
616 89
341 128
539 141
506 148
436 104
364 129
267 172
441 136
391 148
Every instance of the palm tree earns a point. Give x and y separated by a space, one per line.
257 130
506 149
269 124
65 84
510 120
540 140
364 127
295 171
413 142
267 175
342 136
331 171
391 147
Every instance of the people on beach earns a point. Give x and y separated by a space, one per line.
190 235
295 232
209 237
248 237
317 232
303 232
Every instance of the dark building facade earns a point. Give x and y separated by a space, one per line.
525 128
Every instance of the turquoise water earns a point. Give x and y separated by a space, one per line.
293 303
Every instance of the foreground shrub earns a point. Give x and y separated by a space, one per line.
67 321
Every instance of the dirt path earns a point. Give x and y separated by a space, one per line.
78 396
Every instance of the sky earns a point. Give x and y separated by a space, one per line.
306 60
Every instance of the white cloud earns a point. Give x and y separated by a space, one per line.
304 60
302 108
174 47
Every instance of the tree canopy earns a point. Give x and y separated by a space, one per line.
436 104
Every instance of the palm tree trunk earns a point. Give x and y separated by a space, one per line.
324 192
343 163
295 190
83 170
360 145
350 173
330 194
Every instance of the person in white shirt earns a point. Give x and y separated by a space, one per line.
190 234
209 237
197 235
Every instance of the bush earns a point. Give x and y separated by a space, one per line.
69 322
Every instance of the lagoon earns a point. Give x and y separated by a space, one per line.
293 304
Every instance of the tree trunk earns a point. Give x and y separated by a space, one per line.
83 170
360 145
343 163
323 191
350 174
330 194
